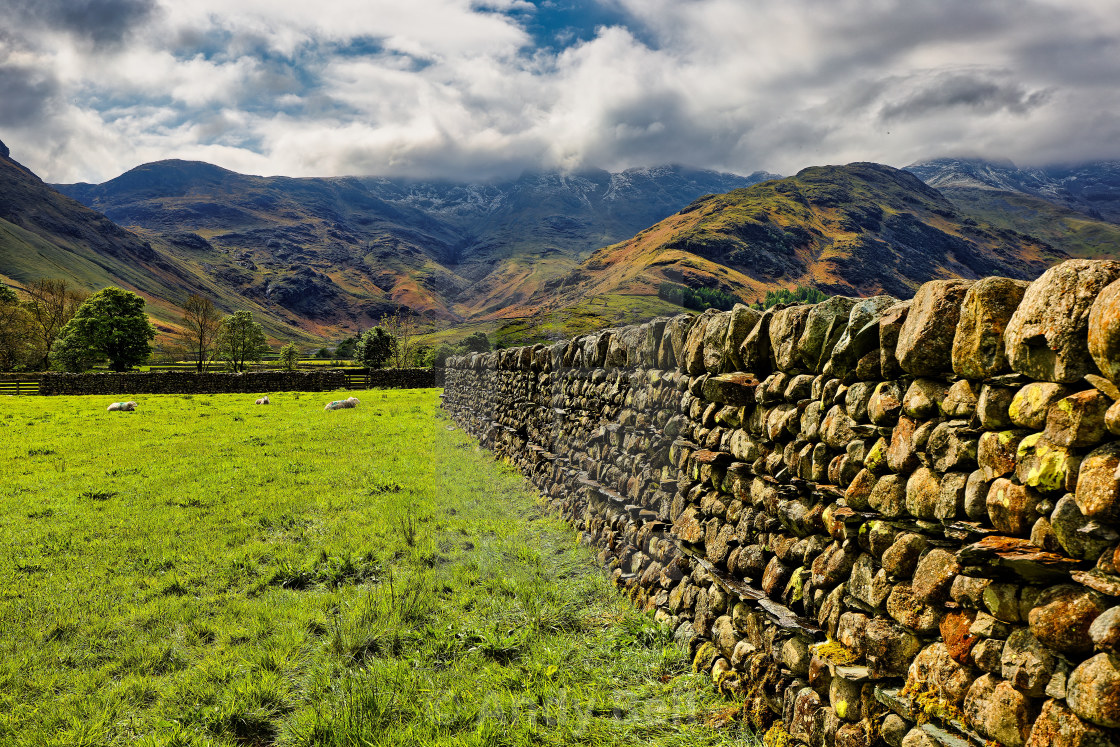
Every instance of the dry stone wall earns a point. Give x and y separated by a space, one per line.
186 382
873 521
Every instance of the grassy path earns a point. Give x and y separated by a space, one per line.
208 572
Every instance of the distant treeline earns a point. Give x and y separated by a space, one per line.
800 294
697 298
712 298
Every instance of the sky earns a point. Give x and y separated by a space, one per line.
484 89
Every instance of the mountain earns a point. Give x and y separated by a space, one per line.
325 247
859 229
44 233
1089 188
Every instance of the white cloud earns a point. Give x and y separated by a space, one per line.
457 88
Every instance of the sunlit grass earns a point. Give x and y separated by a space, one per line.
208 572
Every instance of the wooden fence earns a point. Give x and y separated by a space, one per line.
18 388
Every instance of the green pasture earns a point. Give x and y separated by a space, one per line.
204 571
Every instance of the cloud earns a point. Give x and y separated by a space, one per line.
466 89
978 93
27 94
98 22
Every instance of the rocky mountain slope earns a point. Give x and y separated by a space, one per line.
1090 188
46 234
325 247
859 229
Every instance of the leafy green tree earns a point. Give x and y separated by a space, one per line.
240 340
111 325
289 356
440 354
15 331
375 348
345 349
476 343
201 323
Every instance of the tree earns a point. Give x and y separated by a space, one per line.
110 324
15 331
476 343
240 340
289 356
374 348
201 323
404 329
345 349
51 303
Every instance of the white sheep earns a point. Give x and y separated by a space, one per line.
122 407
342 404
263 400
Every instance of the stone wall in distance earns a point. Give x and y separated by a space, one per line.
873 521
182 382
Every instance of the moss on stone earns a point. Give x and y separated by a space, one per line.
835 653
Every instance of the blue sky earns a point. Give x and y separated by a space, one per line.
476 89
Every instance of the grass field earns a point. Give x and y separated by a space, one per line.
207 572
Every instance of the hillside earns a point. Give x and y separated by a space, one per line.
331 250
859 229
1092 189
46 234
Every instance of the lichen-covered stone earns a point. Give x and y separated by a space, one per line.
885 404
691 358
890 326
923 398
715 336
922 491
976 495
1104 331
1098 486
908 611
952 446
1078 420
860 335
1031 404
888 496
889 648
901 558
1047 337
985 311
993 406
961 399
742 320
867 584
951 497
1079 536
996 452
1093 690
1062 616
1058 726
1045 465
934 576
902 452
1026 663
956 632
824 326
925 341
1013 508
998 711
786 327
1105 631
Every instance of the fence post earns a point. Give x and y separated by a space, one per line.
17 387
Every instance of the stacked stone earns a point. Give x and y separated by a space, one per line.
873 521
